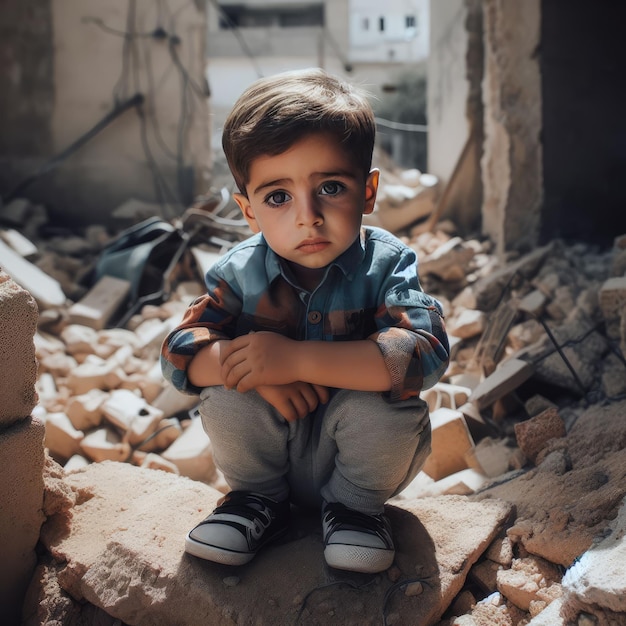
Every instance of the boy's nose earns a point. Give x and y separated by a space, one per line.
309 213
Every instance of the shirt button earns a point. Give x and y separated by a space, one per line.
314 317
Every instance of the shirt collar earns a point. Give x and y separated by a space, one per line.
348 262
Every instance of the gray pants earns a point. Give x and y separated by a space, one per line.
357 449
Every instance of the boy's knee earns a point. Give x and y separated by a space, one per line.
373 412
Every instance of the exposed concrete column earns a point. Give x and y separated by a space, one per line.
21 448
512 159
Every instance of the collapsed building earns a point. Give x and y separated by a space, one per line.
528 448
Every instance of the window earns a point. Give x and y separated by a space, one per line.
381 24
409 21
244 16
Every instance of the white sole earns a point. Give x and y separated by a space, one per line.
358 558
217 555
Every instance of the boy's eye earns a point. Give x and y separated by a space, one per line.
331 188
276 198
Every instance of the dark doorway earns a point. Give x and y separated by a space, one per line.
583 63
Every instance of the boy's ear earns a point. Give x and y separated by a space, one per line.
371 188
248 213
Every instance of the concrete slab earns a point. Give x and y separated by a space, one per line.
126 555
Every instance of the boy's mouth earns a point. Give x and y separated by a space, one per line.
313 245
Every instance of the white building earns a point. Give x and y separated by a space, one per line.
366 41
397 33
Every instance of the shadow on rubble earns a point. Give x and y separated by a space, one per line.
290 584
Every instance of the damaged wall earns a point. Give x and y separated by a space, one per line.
548 114
26 77
512 160
69 64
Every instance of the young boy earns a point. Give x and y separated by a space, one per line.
314 339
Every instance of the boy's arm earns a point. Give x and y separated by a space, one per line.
204 370
293 401
409 351
269 359
205 322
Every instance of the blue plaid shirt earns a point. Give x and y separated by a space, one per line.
372 291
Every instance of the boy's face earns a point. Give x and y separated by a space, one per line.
308 202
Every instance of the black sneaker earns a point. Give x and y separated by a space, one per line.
238 528
356 541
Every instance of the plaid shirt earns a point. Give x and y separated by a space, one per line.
371 291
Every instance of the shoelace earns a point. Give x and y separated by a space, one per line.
339 515
244 505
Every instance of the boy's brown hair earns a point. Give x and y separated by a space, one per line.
277 111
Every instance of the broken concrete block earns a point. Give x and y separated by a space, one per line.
549 616
399 205
448 261
465 299
490 456
46 389
62 439
533 434
613 304
537 404
489 289
470 323
462 483
533 303
127 554
524 334
18 367
475 421
563 303
528 579
173 402
85 410
76 461
46 344
100 303
44 289
95 374
105 444
156 461
451 440
166 433
501 551
21 515
117 338
132 415
192 453
58 364
79 339
148 388
445 395
596 583
151 333
506 378
22 245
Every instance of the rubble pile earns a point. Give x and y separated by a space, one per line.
537 347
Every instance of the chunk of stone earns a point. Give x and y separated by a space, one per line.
533 434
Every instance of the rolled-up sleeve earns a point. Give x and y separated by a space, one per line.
411 332
207 319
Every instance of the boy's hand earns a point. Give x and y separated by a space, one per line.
262 358
295 400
